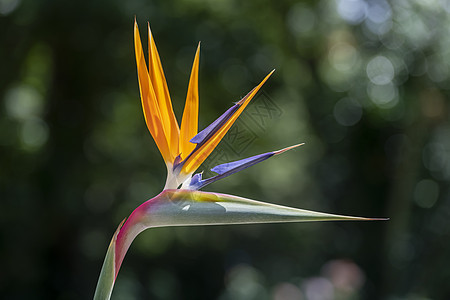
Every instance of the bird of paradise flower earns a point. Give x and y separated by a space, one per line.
181 203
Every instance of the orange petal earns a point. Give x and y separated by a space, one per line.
159 83
195 160
150 107
189 123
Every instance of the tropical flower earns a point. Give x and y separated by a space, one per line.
183 148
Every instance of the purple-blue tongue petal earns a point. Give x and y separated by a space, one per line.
209 131
203 136
230 168
196 180
239 165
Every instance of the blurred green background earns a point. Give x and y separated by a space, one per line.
364 83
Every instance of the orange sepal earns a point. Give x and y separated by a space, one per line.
150 106
189 123
159 83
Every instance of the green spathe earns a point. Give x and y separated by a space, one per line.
191 208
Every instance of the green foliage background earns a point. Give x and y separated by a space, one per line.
364 83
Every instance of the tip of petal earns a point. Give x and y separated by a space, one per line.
149 29
240 102
368 219
287 149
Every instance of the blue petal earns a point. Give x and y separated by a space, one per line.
196 181
236 166
203 136
230 168
209 131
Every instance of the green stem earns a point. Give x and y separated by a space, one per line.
107 276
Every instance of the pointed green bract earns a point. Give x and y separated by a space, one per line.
187 208
193 208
